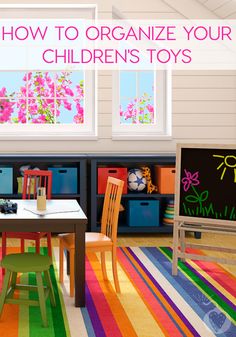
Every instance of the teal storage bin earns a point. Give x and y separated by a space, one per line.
6 180
64 180
143 213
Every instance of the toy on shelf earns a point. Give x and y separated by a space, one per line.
27 167
147 174
136 181
168 216
30 181
122 209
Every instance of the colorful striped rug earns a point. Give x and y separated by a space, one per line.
200 301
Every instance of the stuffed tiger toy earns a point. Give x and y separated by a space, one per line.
147 174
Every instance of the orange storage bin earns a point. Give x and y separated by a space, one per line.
165 179
116 172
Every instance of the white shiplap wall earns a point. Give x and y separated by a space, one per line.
204 102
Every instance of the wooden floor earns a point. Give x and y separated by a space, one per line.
158 240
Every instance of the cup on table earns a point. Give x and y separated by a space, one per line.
41 198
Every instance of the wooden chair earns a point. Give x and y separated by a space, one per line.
35 178
98 242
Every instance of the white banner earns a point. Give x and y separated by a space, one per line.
72 44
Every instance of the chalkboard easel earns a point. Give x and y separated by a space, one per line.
205 197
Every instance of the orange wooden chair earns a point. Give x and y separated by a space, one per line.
41 178
98 242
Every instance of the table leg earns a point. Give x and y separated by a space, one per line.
80 265
68 262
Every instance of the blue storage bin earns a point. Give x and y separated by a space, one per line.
143 213
6 180
64 180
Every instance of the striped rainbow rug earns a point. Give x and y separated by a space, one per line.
200 301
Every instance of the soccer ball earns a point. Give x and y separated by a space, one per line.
136 181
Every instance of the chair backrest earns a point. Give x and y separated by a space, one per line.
34 179
111 207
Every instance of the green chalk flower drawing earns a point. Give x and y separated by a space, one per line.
197 204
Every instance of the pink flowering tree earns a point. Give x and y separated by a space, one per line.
40 99
139 110
6 106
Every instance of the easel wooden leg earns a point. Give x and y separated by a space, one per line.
182 242
175 248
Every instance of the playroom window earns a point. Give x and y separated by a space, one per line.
141 105
48 104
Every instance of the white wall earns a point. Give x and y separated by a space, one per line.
204 102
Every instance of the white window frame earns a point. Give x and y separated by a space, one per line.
161 129
85 131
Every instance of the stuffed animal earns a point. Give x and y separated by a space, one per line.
147 174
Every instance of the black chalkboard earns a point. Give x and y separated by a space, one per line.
206 185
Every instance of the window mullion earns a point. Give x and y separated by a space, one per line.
138 96
27 99
55 98
155 97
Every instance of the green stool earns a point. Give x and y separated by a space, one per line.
25 263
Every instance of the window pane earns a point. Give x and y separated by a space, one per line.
128 94
70 111
128 112
20 114
146 91
7 110
40 84
70 84
146 81
136 97
10 83
128 84
41 111
12 111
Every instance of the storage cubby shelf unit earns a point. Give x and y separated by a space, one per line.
128 161
45 162
87 181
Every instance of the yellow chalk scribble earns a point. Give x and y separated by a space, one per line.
228 162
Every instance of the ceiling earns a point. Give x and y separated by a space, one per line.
225 9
